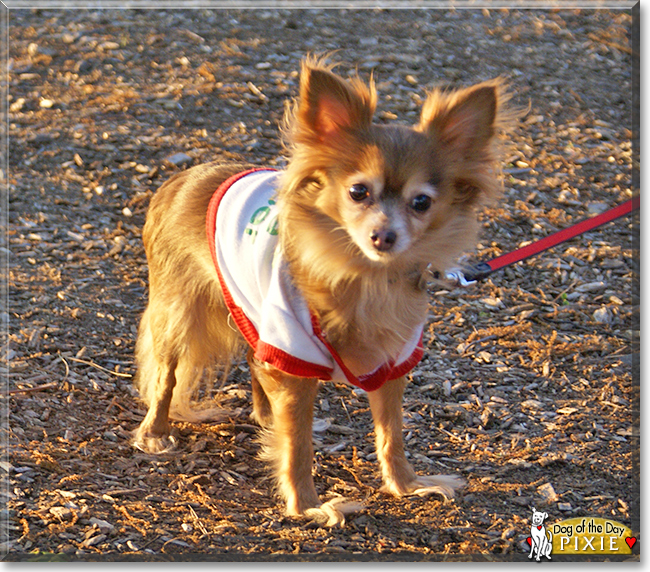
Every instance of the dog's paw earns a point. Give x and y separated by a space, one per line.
332 513
155 445
443 485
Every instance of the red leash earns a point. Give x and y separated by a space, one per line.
483 269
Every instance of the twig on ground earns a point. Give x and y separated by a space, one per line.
118 374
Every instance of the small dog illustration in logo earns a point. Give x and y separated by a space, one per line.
540 544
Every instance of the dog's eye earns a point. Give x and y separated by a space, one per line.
359 192
421 203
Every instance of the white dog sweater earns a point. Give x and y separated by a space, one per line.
270 312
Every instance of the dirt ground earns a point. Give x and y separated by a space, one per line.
527 387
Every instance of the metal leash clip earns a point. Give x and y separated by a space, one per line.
469 274
457 276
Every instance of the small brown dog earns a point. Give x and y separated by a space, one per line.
321 267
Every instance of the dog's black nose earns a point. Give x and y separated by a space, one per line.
383 240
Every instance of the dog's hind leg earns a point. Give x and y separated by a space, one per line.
156 383
262 412
549 545
177 341
399 477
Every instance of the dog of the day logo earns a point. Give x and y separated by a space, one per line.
580 535
587 535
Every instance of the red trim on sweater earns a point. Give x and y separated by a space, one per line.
374 380
290 364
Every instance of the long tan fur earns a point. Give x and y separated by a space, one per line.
368 298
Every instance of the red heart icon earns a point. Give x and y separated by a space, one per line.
631 541
530 540
539 527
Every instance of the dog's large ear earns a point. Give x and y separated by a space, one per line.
465 128
329 106
463 121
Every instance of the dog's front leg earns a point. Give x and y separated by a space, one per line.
386 408
398 475
288 439
288 443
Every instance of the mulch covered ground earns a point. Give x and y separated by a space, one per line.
527 386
